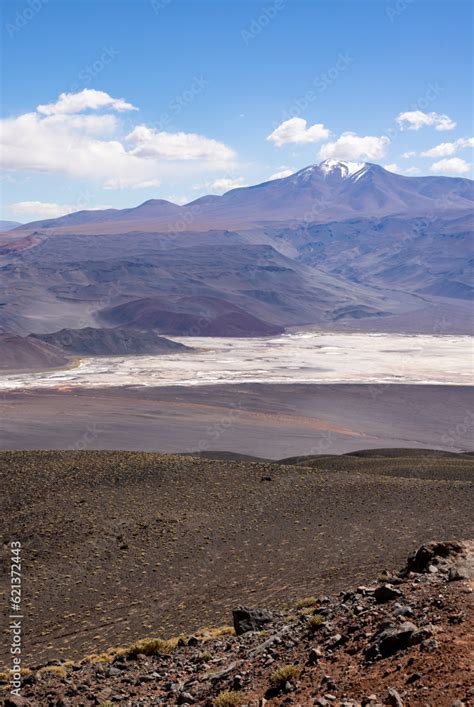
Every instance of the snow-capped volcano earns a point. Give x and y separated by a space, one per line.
343 169
334 171
331 190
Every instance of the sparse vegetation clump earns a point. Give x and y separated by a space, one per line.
284 674
154 646
314 623
204 657
229 698
306 602
58 670
208 634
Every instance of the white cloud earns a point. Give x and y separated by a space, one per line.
454 165
445 149
44 209
295 130
128 182
177 199
60 140
226 184
149 143
412 170
407 155
350 146
88 98
280 175
416 119
401 170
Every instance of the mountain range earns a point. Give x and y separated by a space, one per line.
336 245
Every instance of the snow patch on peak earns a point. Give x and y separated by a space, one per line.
346 169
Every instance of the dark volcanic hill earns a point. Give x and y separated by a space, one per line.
190 316
109 342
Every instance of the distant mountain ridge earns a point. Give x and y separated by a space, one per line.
332 190
340 245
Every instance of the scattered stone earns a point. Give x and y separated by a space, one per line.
335 641
248 619
403 610
237 683
420 635
430 645
327 682
413 678
314 655
386 592
185 698
16 701
393 698
458 571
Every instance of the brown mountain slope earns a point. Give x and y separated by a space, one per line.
20 353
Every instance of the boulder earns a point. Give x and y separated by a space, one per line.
390 640
421 560
250 619
386 592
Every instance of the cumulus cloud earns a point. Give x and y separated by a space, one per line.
445 149
296 130
416 119
350 146
454 165
58 138
281 174
401 170
149 143
223 184
45 209
407 155
89 98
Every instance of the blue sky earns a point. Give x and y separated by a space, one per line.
176 98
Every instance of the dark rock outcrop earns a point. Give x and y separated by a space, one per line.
248 619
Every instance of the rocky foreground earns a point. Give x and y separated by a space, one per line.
405 639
